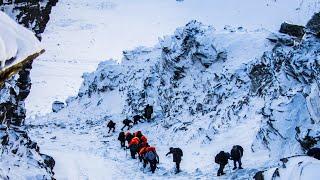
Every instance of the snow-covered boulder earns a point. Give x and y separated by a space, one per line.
300 167
16 42
57 106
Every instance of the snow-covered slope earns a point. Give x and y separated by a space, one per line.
16 42
210 89
108 27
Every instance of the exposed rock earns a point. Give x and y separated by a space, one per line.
314 24
292 30
32 14
57 106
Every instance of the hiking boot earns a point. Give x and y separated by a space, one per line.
240 168
235 168
223 173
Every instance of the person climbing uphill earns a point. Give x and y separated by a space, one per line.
137 118
148 112
177 154
134 146
141 154
236 155
126 123
122 139
314 152
129 137
111 125
222 159
138 134
152 157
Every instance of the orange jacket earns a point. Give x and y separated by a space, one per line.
134 141
144 139
143 151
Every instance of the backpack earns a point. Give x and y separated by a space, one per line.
150 156
179 152
217 159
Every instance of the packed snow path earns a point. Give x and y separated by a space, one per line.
89 152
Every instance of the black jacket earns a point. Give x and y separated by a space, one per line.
176 153
111 124
148 111
222 158
122 136
127 122
236 152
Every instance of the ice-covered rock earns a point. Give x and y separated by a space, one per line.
292 30
57 106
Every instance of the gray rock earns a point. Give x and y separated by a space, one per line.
292 30
57 106
314 24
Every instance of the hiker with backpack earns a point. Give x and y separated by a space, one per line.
122 139
236 155
129 137
152 157
148 112
141 154
111 125
134 146
126 123
137 118
221 159
177 154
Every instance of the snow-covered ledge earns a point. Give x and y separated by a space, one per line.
18 46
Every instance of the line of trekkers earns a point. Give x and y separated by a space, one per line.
138 145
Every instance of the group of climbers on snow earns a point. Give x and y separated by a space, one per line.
138 144
222 158
135 119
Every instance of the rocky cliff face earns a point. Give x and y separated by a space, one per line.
21 157
33 14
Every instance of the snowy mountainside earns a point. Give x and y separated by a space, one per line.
210 90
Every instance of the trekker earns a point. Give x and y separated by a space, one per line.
138 134
122 139
111 125
137 118
129 137
152 157
133 146
141 154
148 112
177 154
236 155
222 160
314 152
126 123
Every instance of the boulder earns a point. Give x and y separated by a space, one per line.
314 24
292 30
57 106
48 160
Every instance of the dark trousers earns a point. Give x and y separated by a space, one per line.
235 162
178 166
133 153
145 162
126 126
111 128
153 166
123 143
220 170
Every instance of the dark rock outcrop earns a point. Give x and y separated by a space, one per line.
57 106
292 30
314 24
32 14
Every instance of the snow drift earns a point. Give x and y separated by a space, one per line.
16 42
